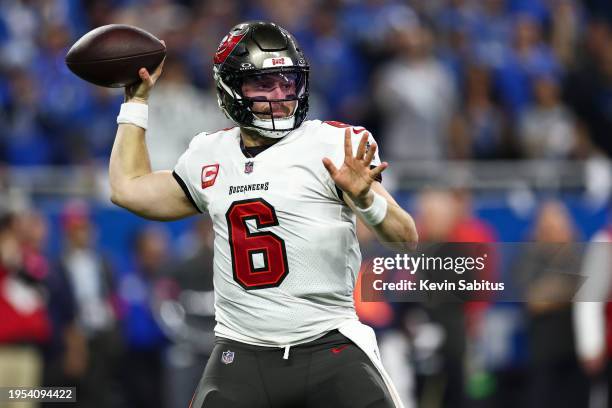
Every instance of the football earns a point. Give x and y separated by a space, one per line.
111 55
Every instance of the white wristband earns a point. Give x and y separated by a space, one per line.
134 113
374 214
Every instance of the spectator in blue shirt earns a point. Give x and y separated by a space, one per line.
145 341
527 56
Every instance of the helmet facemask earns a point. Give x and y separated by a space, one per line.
263 98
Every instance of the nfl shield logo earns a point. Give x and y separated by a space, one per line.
227 357
248 167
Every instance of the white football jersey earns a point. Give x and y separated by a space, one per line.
286 255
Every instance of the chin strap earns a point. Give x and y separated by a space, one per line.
272 134
275 124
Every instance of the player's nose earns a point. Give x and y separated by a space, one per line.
277 93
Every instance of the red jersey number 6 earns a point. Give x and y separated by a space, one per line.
259 259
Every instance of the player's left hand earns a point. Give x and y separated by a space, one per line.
355 177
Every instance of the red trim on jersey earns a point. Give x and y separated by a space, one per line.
341 125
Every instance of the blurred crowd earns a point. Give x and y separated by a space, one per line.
432 80
126 334
436 79
542 348
134 329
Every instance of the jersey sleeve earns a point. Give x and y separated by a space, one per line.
186 172
376 159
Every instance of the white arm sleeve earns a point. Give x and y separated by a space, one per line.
187 173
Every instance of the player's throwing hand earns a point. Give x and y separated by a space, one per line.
139 92
355 176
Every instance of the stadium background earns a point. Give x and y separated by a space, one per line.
495 115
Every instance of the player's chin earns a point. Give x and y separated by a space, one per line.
280 115
275 115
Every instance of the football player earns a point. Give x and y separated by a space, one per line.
282 193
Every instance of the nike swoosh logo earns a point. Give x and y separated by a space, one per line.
337 350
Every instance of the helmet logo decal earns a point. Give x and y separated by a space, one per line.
226 47
277 62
